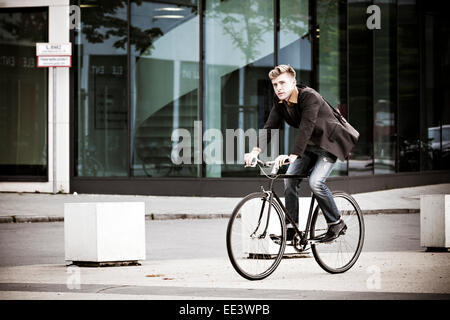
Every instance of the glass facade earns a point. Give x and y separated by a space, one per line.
411 146
294 48
164 85
384 90
177 88
360 90
23 96
331 62
435 83
238 44
23 92
102 108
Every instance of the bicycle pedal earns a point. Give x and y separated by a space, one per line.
276 239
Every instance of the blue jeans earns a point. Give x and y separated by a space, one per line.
320 166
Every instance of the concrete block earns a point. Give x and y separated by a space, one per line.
435 221
104 231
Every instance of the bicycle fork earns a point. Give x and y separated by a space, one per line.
264 233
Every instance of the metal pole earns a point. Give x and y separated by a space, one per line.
54 130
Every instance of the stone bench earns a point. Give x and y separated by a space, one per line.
435 221
104 233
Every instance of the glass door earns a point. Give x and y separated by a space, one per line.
23 93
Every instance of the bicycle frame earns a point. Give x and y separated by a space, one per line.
272 194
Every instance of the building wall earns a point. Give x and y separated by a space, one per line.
213 68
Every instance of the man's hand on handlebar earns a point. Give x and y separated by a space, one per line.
283 159
250 158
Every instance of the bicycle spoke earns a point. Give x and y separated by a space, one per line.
340 254
251 237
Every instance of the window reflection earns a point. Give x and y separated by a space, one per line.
295 41
385 90
23 92
360 88
102 89
410 144
295 50
435 114
384 137
238 57
440 143
133 112
164 84
332 60
445 146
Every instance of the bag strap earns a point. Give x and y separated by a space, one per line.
335 111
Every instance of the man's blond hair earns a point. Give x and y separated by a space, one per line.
282 68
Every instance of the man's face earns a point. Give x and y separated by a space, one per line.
283 85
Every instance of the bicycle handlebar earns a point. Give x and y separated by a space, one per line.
272 164
274 172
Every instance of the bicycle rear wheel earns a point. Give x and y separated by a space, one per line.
341 254
255 240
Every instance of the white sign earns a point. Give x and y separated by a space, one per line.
53 49
49 61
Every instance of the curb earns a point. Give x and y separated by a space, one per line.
26 219
391 211
6 219
175 216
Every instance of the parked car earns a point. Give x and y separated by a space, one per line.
434 134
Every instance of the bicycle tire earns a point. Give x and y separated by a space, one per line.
352 241
256 257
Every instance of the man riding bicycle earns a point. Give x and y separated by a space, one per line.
314 150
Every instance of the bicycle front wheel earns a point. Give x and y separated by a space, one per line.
256 239
341 254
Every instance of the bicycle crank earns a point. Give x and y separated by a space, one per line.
298 244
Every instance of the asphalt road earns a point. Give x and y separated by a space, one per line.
43 243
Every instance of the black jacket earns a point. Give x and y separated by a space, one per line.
315 119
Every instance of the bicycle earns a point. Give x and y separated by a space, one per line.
256 232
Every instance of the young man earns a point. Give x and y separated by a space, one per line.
314 149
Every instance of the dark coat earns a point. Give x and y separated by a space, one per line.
316 121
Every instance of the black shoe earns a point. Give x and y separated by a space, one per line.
334 231
290 234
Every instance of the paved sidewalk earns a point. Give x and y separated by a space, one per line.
390 274
41 207
376 275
